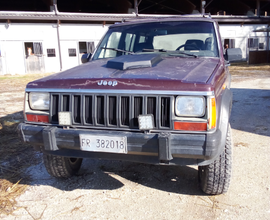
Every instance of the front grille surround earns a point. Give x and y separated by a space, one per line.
112 110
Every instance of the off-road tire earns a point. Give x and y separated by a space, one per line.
215 178
61 167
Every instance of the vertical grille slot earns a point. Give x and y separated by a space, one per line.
125 111
77 109
165 110
112 110
55 108
138 110
66 102
100 110
88 109
152 107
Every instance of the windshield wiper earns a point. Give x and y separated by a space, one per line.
183 53
154 50
116 49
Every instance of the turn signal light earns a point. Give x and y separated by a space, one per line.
213 114
190 126
37 118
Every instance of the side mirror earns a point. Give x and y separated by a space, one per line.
233 54
86 57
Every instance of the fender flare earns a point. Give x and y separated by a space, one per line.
216 141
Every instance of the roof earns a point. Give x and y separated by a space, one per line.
262 30
64 16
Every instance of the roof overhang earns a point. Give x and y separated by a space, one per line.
263 30
63 16
241 19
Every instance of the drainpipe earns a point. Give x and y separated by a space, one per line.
59 47
267 42
58 36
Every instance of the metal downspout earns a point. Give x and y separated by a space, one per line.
58 36
59 47
267 43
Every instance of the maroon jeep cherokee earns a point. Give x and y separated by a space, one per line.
154 91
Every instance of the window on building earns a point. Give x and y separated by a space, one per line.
51 52
90 47
261 46
33 48
229 43
82 47
86 47
253 43
72 52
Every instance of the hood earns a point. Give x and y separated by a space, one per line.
166 72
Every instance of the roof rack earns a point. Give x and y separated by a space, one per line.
147 16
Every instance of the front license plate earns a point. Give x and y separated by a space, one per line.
103 143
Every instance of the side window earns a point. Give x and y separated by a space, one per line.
129 42
142 39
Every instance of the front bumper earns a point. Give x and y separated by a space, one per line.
153 148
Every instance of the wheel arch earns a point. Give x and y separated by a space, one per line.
216 142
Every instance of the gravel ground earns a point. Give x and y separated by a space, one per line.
124 190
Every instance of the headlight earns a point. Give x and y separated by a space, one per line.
39 101
190 106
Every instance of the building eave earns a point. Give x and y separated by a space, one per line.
241 19
65 16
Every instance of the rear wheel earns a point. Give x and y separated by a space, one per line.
215 177
61 167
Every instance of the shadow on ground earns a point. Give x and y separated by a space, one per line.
250 113
105 175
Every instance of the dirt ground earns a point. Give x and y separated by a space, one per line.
123 190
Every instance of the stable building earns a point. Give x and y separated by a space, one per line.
43 39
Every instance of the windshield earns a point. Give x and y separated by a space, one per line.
176 38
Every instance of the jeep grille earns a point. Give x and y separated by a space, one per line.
112 111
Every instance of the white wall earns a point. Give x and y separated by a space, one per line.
241 33
13 37
72 34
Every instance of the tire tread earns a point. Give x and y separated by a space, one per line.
60 167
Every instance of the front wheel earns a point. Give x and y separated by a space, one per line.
215 178
61 167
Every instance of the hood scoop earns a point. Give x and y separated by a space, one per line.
134 61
